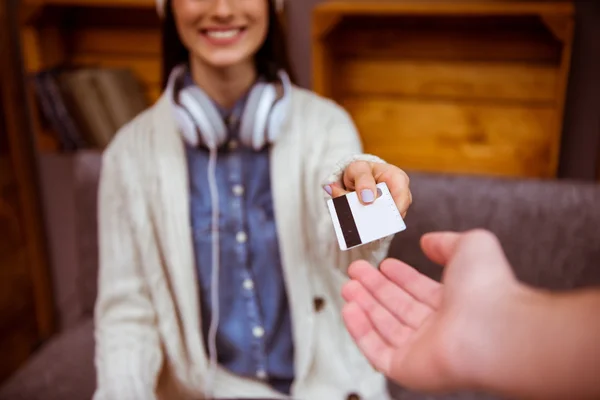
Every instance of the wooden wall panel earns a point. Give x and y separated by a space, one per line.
453 87
105 38
437 135
504 39
111 45
497 81
115 40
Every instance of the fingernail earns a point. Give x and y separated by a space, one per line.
328 189
367 196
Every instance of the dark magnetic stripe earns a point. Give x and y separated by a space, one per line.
347 223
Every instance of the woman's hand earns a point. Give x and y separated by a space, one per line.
362 176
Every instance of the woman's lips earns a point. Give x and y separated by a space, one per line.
222 36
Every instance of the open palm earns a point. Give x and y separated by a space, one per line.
414 329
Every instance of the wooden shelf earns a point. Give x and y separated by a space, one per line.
449 86
444 7
104 33
93 3
35 4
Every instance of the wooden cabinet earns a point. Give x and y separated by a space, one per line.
449 86
105 33
26 316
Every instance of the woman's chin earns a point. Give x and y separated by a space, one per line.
226 61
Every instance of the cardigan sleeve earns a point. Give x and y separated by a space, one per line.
343 147
128 355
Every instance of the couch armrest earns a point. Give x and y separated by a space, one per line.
550 230
62 369
69 190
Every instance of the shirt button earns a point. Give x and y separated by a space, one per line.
248 284
238 190
233 144
241 237
318 303
261 374
258 331
232 119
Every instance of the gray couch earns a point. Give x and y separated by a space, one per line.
550 230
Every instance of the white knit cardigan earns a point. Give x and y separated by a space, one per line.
148 332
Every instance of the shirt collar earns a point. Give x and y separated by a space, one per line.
224 112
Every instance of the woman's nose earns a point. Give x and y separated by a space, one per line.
224 8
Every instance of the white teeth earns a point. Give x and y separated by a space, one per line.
223 34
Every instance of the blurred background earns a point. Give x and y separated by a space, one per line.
493 106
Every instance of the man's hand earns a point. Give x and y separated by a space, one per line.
481 330
362 176
425 335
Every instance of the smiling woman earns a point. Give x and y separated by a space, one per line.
220 273
222 40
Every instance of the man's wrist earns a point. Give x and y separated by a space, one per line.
508 358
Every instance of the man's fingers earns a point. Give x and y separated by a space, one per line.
470 250
440 246
402 305
392 330
483 246
358 177
419 286
370 343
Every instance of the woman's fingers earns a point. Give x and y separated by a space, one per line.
363 177
397 182
335 190
358 177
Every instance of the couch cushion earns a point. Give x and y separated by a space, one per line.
62 369
549 229
87 177
69 185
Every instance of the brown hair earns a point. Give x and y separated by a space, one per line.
270 57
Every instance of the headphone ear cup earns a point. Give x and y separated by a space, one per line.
250 115
281 109
211 127
186 125
256 115
278 115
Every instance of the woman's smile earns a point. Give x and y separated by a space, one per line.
223 36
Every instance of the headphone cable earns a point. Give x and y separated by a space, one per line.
214 323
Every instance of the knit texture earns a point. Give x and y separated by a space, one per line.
147 319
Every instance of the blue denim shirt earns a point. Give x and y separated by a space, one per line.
254 336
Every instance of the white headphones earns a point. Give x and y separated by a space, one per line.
200 122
